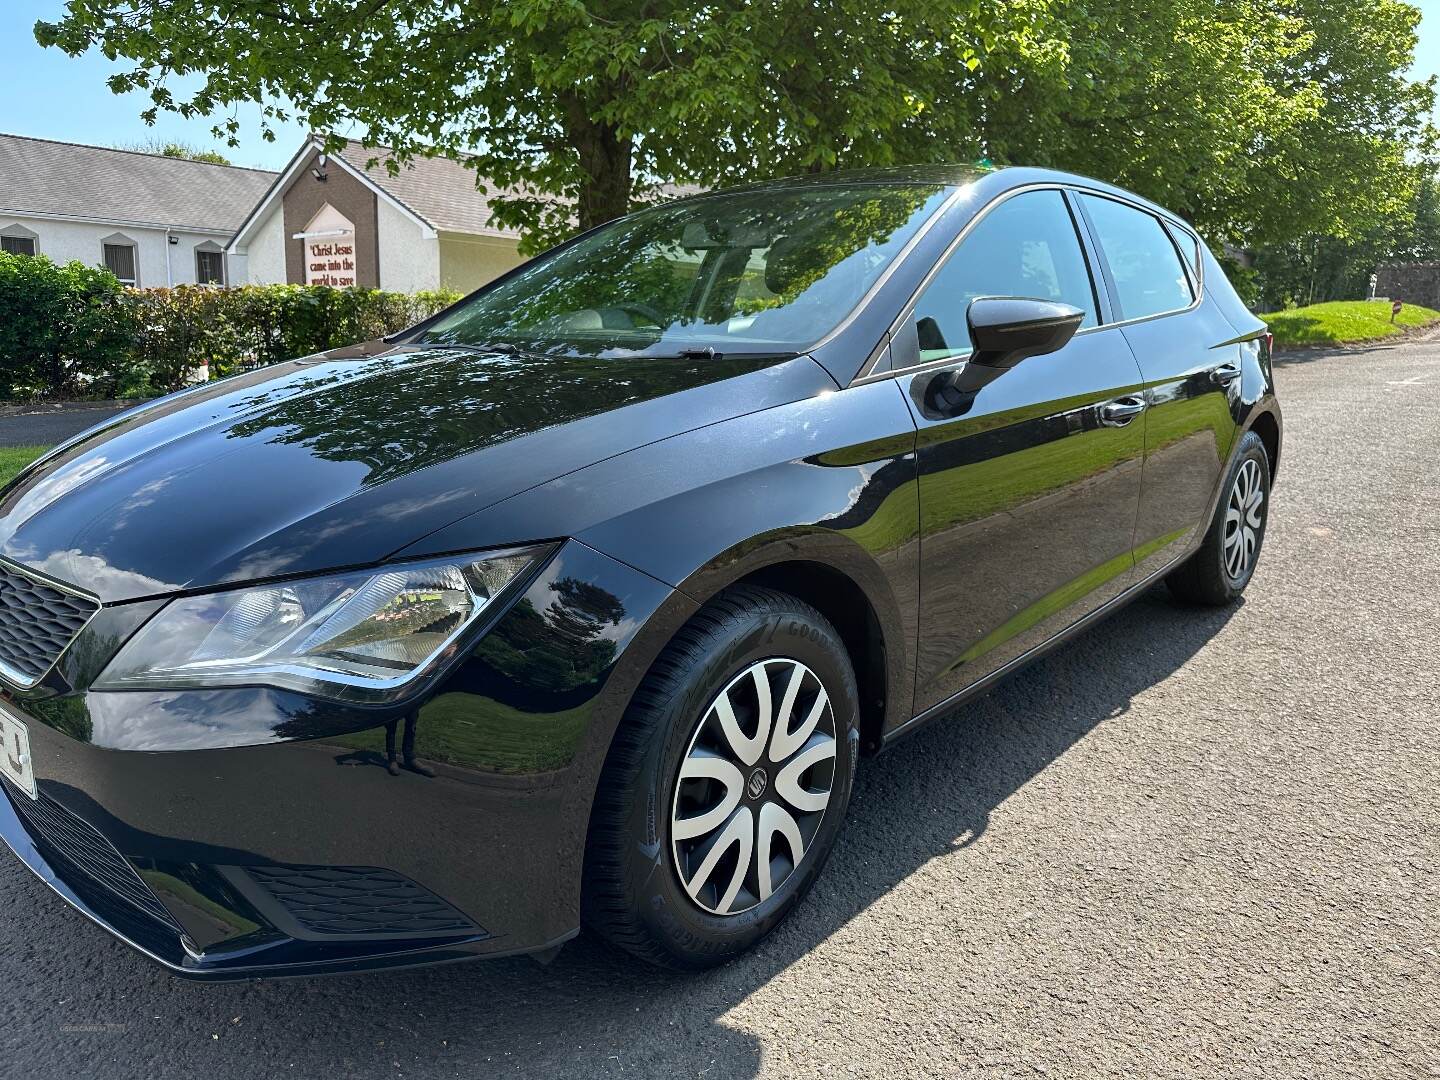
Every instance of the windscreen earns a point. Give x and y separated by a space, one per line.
762 271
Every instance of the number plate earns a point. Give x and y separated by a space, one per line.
15 763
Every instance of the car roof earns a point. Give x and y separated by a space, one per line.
995 179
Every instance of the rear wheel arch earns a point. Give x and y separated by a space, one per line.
1268 428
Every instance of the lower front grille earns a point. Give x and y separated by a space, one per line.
38 620
358 901
67 839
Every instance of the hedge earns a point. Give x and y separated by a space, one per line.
74 331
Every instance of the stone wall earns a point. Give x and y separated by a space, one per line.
1414 283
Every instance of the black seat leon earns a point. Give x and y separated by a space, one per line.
584 600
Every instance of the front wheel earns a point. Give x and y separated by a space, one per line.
727 782
1218 573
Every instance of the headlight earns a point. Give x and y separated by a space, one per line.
364 637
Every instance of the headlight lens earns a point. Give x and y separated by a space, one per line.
364 637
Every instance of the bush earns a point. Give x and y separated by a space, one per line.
74 331
60 326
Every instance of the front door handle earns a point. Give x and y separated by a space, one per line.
1121 411
1225 374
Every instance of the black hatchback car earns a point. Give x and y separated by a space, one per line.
584 599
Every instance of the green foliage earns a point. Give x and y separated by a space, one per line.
1346 322
74 331
15 458
1260 122
1257 121
580 110
1244 278
60 326
1314 268
172 149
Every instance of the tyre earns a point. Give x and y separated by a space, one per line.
1218 573
727 782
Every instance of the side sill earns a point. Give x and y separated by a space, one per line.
985 684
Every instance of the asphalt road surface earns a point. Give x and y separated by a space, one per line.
46 427
1184 845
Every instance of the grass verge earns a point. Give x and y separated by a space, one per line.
1343 322
15 458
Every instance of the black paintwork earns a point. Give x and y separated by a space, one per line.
949 536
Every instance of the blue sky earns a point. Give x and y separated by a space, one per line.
47 94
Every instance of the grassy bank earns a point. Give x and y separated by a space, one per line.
1342 322
15 458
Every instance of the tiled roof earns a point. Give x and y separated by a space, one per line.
441 191
40 176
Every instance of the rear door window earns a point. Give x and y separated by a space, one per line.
1149 278
1026 246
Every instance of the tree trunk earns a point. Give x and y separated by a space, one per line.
605 160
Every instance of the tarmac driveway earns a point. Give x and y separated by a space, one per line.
43 426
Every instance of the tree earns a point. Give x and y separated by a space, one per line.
172 149
1419 236
581 109
1258 121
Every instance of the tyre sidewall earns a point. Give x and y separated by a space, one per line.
690 934
1251 449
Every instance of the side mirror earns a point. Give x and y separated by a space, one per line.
1003 331
1007 329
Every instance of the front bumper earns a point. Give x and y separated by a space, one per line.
295 850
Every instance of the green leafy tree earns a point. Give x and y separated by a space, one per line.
1261 121
1316 267
172 149
1419 234
1258 121
579 110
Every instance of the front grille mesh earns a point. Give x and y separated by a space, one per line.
76 843
37 622
358 900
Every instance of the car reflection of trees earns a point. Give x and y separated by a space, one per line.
520 703
436 409
540 660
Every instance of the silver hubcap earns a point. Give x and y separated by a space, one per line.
754 786
1243 517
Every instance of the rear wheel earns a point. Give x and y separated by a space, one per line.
1218 573
727 782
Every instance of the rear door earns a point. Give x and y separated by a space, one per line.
1191 364
1028 498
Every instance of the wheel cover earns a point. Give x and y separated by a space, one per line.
753 786
1244 519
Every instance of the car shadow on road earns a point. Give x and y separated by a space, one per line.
594 1012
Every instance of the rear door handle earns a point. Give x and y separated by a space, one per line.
1225 374
1121 411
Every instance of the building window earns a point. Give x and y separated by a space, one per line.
120 261
18 240
209 267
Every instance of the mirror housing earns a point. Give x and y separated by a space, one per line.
1007 329
1003 331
